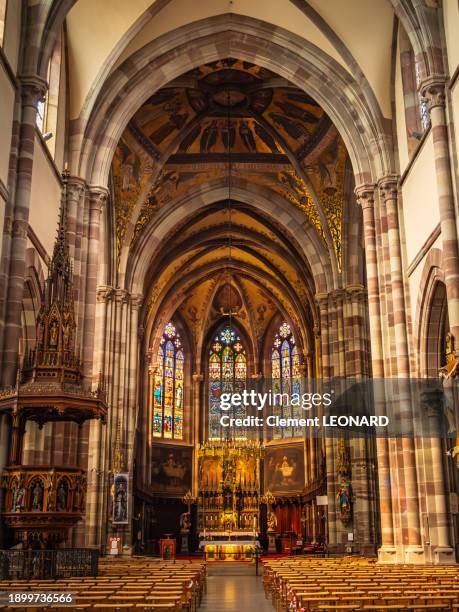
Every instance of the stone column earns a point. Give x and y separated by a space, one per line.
365 197
97 475
97 199
75 189
388 189
322 301
131 394
32 90
75 193
437 508
198 380
433 90
411 528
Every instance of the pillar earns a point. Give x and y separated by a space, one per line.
437 508
97 199
32 90
365 197
433 90
411 538
198 379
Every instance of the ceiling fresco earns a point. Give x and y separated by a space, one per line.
280 139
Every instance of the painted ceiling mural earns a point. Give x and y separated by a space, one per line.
186 129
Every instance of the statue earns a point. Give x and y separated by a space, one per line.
185 522
37 497
450 369
53 333
120 502
61 498
66 336
272 521
18 503
78 495
344 498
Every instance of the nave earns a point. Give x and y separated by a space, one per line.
249 195
234 589
285 583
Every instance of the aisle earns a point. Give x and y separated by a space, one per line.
234 588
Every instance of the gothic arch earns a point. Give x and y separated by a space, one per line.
152 67
271 204
431 314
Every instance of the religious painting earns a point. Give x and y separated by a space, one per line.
247 472
210 475
120 499
284 468
171 469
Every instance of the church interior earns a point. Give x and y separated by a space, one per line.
229 199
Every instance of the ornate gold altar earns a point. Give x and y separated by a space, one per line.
229 498
229 486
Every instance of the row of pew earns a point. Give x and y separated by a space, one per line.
350 583
134 583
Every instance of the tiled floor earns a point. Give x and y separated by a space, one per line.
234 588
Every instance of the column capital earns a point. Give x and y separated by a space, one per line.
356 291
197 377
104 293
75 186
388 186
121 296
136 301
98 195
336 295
33 89
433 89
365 195
322 300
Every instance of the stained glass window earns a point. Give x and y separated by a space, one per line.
227 374
168 383
286 379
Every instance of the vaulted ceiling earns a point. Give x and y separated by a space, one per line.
230 121
278 136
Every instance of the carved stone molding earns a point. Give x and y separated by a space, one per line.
365 195
433 90
388 187
322 301
136 301
19 228
33 89
75 187
121 296
356 292
104 293
97 197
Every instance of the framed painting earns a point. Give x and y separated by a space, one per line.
171 469
284 468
